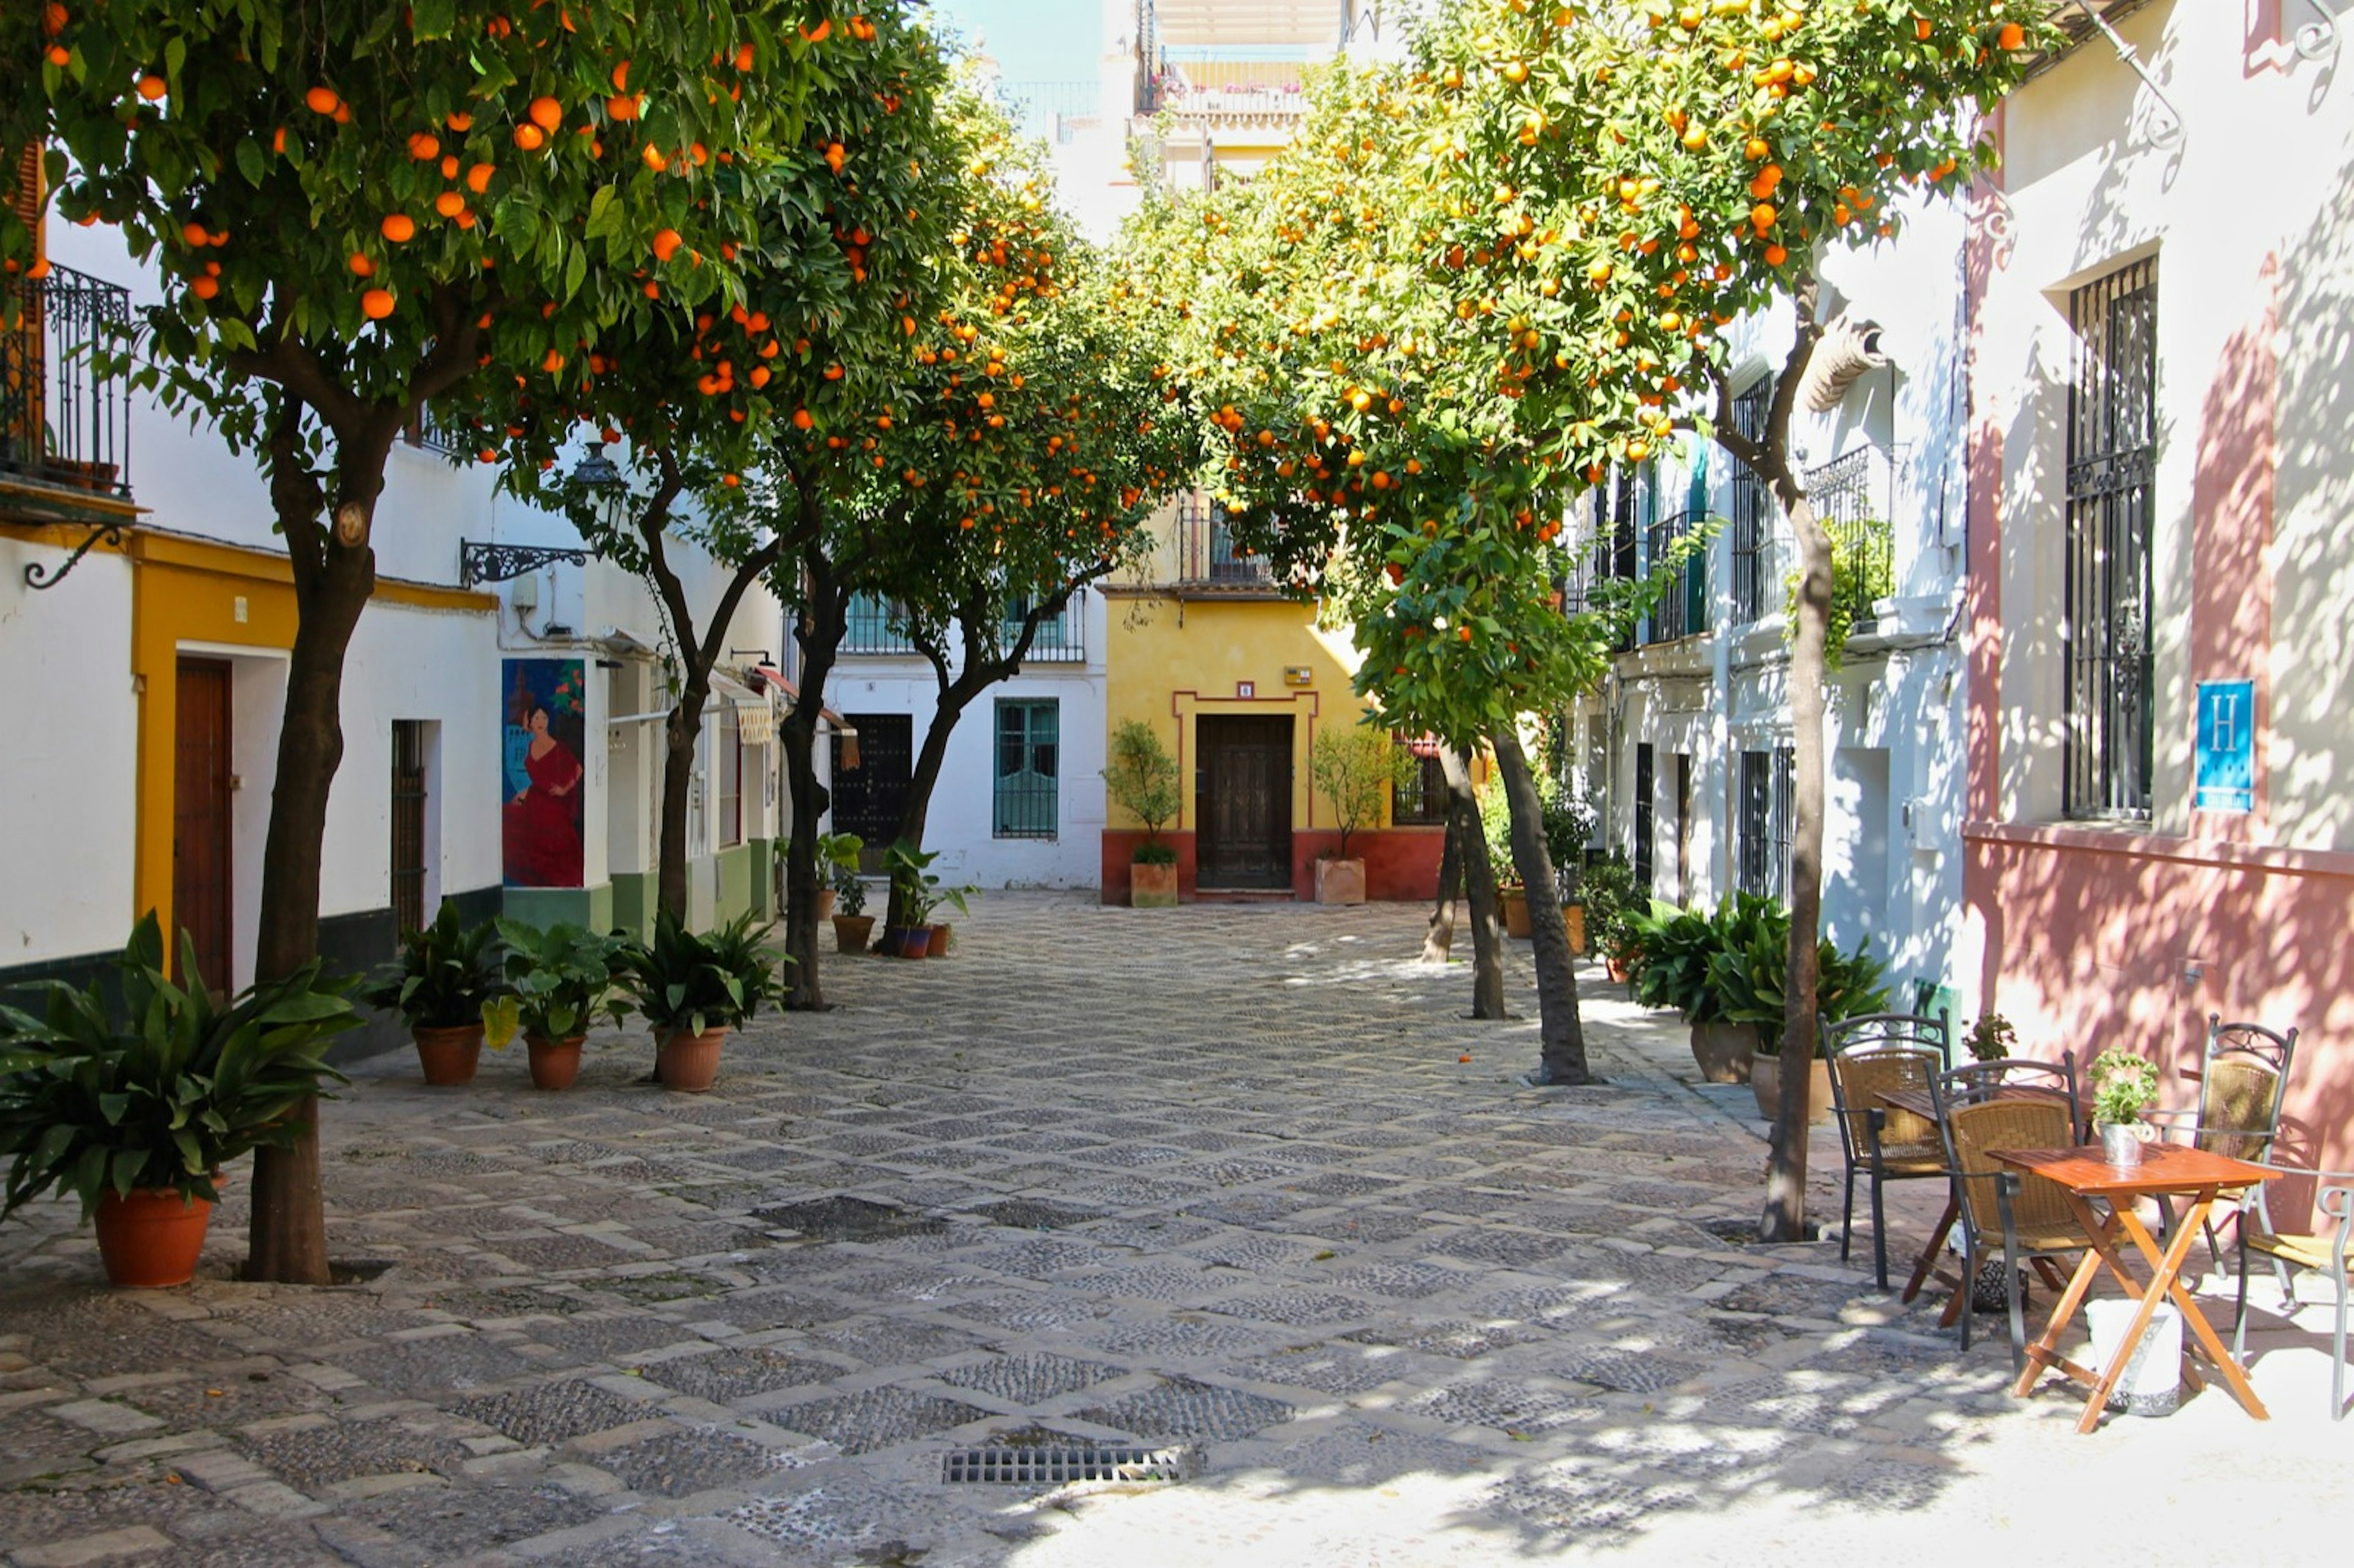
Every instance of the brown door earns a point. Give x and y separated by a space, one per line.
1242 786
200 820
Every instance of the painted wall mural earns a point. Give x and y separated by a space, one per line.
541 763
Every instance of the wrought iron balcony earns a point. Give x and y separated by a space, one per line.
876 627
1208 554
65 409
1062 640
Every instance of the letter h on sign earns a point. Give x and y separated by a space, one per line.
2226 775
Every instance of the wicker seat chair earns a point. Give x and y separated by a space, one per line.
2242 1081
2324 1251
1871 1055
2029 1217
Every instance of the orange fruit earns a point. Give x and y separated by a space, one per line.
2013 35
547 114
398 227
553 362
654 159
152 88
1756 150
622 106
801 419
530 137
818 33
205 287
1775 256
478 178
60 55
53 18
621 76
450 166
323 100
376 304
744 56
425 146
449 204
666 244
460 122
361 266
194 233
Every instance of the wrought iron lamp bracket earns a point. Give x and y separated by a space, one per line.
494 563
2316 39
38 577
2168 133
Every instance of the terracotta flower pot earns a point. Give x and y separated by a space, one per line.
1724 1051
826 903
1765 1084
150 1240
1339 882
851 932
1618 968
688 1063
1516 912
553 1062
1152 886
1573 919
448 1055
938 946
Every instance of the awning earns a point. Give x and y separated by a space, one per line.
828 721
756 716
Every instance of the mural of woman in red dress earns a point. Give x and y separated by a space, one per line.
542 826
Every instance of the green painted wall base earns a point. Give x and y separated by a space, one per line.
633 904
544 907
763 871
734 882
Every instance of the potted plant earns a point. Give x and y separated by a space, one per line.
1608 890
694 988
1142 782
2124 1086
1752 982
136 1109
448 983
1991 1038
1496 829
920 890
1568 823
1678 947
851 925
1356 769
562 980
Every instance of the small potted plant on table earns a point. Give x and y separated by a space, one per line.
563 980
694 988
2124 1086
1142 782
136 1111
448 984
1356 768
851 925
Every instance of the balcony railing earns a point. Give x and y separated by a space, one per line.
1683 607
1062 640
875 626
1207 553
65 412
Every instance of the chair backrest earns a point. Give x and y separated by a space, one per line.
1918 1029
2014 1078
1974 1130
2245 1078
1865 1071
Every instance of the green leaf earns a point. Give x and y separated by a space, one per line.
431 18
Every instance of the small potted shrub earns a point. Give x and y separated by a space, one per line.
851 925
136 1110
1569 824
563 980
694 988
1991 1038
448 983
1677 946
919 889
1356 769
2124 1086
1142 782
1608 890
1752 980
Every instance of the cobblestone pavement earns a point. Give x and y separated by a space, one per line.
1211 1185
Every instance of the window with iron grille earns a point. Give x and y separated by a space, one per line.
2112 451
1061 638
727 758
1029 767
875 625
1421 799
1768 786
1753 510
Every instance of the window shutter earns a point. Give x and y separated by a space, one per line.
28 196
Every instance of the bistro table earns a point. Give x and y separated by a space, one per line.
1926 1106
2166 1169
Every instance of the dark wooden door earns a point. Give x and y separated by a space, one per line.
1242 806
200 818
407 824
868 799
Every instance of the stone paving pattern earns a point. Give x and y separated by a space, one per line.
1212 1177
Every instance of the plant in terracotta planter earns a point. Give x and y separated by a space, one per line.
1608 890
919 890
851 925
694 988
448 983
563 980
135 1109
1751 982
1356 769
1142 782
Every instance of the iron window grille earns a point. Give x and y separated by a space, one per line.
1420 801
1768 787
1646 787
1751 512
1208 553
875 625
1029 767
1862 537
1683 609
1061 638
2111 456
429 433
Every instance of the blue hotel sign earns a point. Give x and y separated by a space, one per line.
2226 775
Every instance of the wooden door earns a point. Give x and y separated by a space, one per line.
1242 802
407 824
868 799
201 841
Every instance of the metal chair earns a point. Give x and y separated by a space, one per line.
1871 1055
2020 1078
2242 1082
2320 1251
2029 1214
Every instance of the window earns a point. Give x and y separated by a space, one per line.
1753 511
1646 786
875 625
1061 637
1029 767
2112 441
727 754
1421 801
407 824
1768 783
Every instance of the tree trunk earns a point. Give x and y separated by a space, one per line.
334 575
920 784
1561 1032
824 622
1438 940
1785 1217
1479 884
679 732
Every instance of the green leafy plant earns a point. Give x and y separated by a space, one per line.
1152 854
1672 947
447 976
919 888
839 854
1569 824
163 1091
1356 768
1751 982
684 983
562 979
1612 906
1991 1038
1863 572
2124 1086
1496 830
1142 782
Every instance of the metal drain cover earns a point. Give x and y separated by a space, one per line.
1026 1466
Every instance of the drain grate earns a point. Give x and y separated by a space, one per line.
1026 1466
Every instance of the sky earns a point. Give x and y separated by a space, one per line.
1033 40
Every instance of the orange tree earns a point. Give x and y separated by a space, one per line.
1038 408
358 209
1632 177
725 410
